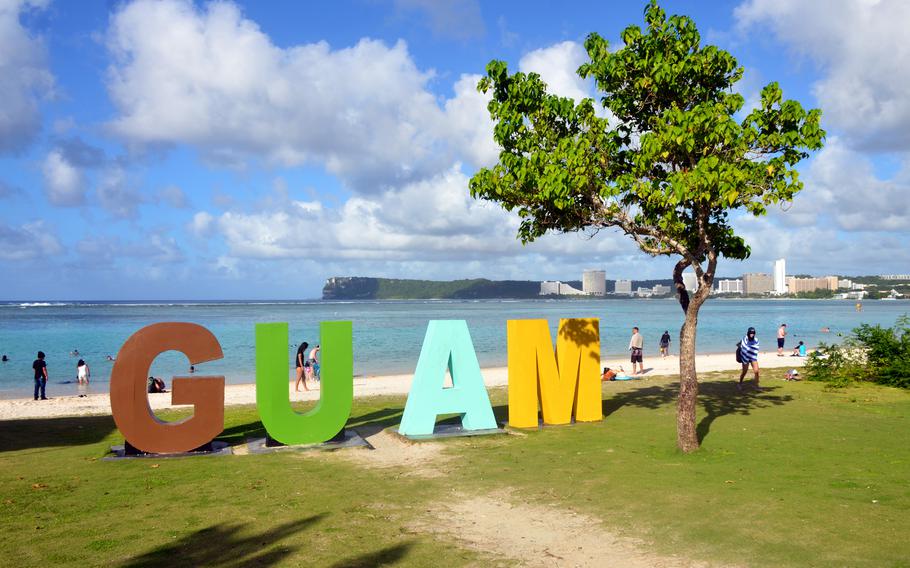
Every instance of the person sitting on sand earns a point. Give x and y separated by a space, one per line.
799 350
156 385
608 374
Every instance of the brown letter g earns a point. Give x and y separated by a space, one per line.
129 395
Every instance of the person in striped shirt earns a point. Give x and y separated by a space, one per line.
749 349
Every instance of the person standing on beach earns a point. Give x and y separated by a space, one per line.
781 337
40 368
301 363
314 363
82 375
749 349
665 343
636 345
82 372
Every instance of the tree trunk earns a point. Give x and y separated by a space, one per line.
686 435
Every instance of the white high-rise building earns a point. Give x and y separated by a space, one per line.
730 287
623 287
557 288
780 277
594 282
690 280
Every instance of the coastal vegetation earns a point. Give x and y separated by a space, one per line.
666 165
871 353
796 475
367 288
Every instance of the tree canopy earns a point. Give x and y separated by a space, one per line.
668 160
663 158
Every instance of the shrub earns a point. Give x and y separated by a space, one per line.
871 353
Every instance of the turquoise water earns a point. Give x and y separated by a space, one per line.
388 335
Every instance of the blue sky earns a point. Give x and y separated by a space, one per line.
180 150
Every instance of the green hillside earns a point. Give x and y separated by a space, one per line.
364 288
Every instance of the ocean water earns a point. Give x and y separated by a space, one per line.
388 334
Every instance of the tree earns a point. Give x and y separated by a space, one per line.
666 163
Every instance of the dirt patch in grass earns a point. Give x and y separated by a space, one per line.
421 459
540 535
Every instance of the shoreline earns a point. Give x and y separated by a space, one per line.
364 386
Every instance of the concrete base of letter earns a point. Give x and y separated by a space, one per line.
448 431
351 439
128 452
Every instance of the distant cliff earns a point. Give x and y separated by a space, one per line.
364 288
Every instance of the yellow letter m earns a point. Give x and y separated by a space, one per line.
560 384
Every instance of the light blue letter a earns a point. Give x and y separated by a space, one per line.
447 345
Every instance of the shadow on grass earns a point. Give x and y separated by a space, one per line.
369 424
36 433
223 545
716 398
386 556
240 433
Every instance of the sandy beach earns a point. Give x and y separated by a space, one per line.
95 404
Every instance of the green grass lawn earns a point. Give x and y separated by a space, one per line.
792 476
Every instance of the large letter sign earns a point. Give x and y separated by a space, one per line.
337 385
567 382
447 344
129 390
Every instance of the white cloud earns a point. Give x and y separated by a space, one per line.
841 185
64 183
469 120
428 229
117 195
861 46
202 224
24 77
557 65
152 248
173 196
29 241
211 78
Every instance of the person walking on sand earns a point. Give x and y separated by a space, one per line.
314 363
636 344
781 337
40 368
301 363
749 349
665 344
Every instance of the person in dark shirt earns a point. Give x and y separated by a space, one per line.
665 343
40 368
302 364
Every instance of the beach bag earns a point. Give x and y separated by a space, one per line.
739 352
